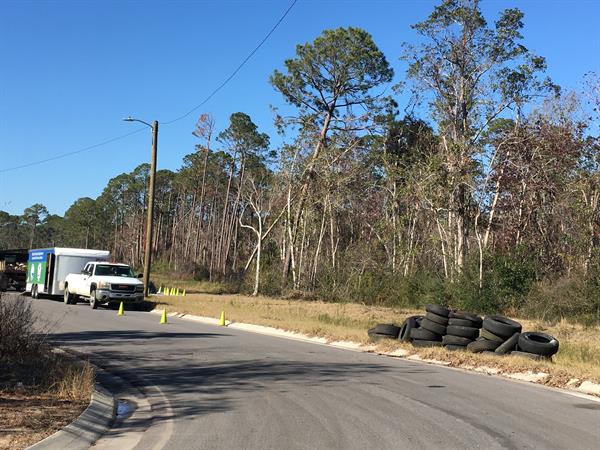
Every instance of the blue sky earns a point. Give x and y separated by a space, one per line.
70 70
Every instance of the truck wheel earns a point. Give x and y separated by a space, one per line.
93 301
68 298
34 291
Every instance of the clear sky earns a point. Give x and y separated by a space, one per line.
70 70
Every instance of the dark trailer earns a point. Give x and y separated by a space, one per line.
13 269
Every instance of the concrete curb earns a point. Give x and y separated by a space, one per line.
88 427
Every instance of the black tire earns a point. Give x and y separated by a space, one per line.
474 318
433 327
462 323
93 301
509 345
437 319
501 326
386 328
424 343
456 340
437 309
424 335
468 332
491 336
34 292
538 343
67 297
376 337
409 324
482 345
529 355
462 348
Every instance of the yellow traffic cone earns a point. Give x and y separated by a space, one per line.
120 313
177 292
163 318
168 291
222 321
159 290
183 293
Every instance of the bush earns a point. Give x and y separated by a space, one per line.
19 339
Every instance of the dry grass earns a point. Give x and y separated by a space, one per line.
33 407
579 355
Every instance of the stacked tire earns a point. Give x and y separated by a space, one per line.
433 327
463 329
498 334
385 331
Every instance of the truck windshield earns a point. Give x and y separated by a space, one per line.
114 271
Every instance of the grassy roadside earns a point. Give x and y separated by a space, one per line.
41 391
579 355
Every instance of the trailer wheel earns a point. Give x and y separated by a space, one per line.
93 301
34 291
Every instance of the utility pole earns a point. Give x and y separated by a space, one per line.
151 190
150 219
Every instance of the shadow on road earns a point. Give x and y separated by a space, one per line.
106 336
200 378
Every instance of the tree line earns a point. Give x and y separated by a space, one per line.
481 192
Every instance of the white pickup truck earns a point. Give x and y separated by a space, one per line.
102 283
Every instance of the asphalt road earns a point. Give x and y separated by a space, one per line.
205 387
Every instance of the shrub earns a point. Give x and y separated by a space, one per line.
18 337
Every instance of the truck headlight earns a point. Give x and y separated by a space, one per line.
103 285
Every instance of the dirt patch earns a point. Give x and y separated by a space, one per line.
28 418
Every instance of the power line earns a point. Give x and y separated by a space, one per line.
75 152
211 95
237 69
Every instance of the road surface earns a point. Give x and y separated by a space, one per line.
206 387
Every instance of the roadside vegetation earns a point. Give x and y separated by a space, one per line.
40 390
578 357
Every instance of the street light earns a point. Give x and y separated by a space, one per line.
150 220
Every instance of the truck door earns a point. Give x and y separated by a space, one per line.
87 279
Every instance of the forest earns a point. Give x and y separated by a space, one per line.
482 192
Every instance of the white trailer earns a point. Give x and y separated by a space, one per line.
47 268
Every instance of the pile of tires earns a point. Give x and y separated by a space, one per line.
458 330
463 329
384 331
498 334
432 327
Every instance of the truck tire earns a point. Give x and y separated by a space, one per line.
437 309
68 298
474 318
538 343
468 332
501 326
34 292
433 327
436 318
93 301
